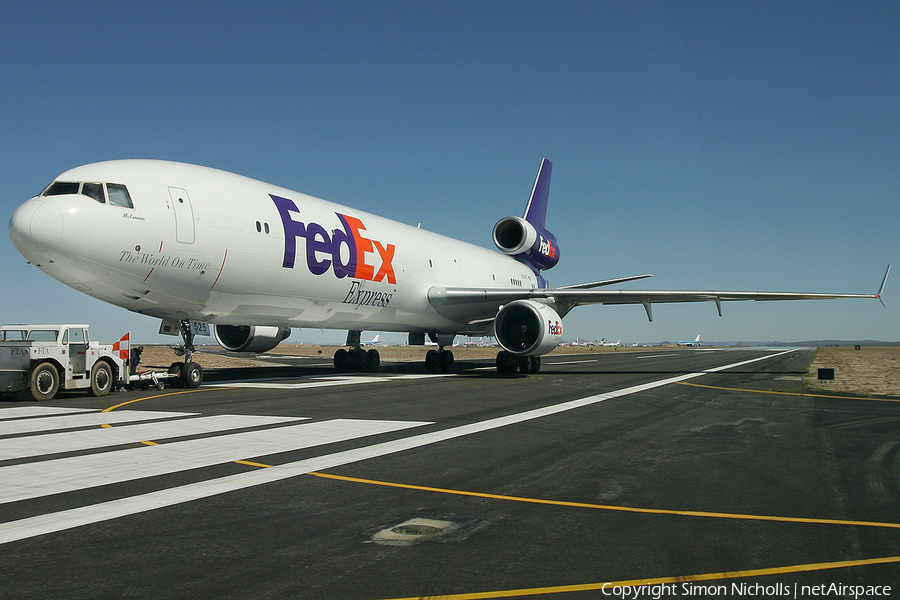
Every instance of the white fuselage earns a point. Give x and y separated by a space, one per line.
213 246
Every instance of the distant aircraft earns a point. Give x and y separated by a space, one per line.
617 343
196 247
694 342
371 342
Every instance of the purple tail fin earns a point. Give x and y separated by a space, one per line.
536 211
526 238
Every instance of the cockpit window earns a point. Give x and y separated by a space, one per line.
95 191
60 188
118 195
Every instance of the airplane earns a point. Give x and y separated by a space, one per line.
196 246
371 342
694 342
615 344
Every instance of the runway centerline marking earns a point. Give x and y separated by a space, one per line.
316 381
76 517
571 362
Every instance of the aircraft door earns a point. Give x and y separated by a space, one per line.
184 215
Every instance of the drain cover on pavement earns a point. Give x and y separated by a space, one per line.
413 531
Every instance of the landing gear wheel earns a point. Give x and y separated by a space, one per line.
342 360
44 382
525 364
359 361
432 361
192 375
507 363
101 379
535 364
175 369
445 361
374 360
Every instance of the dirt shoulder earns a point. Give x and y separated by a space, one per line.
869 371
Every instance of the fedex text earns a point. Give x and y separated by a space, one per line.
347 252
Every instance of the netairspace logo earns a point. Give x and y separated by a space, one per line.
744 590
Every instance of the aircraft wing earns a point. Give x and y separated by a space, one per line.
482 303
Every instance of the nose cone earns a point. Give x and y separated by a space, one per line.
36 229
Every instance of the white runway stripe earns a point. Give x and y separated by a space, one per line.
71 441
329 381
33 480
84 420
20 412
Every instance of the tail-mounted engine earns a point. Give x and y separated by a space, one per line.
528 328
249 338
529 243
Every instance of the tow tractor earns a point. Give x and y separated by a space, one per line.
44 359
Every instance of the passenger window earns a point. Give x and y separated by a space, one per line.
76 336
118 195
43 335
12 335
95 191
60 188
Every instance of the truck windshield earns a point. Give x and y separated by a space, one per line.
12 335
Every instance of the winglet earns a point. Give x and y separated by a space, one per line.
536 211
881 289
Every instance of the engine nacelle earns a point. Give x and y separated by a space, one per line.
528 328
517 237
250 338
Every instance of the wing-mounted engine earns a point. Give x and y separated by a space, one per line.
250 338
529 243
528 328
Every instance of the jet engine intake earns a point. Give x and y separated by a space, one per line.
535 245
250 338
528 328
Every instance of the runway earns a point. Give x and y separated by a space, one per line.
695 470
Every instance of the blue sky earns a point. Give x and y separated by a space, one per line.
718 145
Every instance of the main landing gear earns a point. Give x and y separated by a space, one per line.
189 374
440 359
356 359
508 363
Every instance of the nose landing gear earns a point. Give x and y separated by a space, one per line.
190 374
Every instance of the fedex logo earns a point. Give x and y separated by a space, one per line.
325 252
547 248
554 328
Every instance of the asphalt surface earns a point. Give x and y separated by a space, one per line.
660 469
